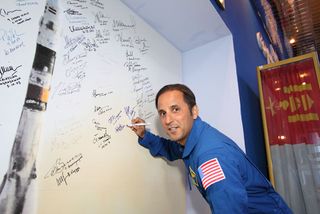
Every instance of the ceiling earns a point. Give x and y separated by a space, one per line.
186 24
300 20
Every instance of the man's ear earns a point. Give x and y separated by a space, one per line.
195 111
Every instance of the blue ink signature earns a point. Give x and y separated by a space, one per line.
9 36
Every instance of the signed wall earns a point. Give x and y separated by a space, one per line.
109 66
17 49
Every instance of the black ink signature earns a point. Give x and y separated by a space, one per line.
98 94
98 126
4 69
72 12
104 137
63 177
102 109
86 28
64 170
101 18
102 140
97 3
119 25
58 167
4 12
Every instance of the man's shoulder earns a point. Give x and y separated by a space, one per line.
211 138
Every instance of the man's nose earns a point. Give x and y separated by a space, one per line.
168 118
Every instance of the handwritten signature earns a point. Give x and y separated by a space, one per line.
119 25
76 72
6 69
73 42
130 112
102 139
99 94
113 119
67 88
64 170
101 18
97 3
102 109
11 37
4 12
72 12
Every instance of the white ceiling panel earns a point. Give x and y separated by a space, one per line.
186 24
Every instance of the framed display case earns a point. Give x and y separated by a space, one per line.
290 105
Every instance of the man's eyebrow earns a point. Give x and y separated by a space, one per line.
160 111
174 106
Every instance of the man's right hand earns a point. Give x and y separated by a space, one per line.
139 130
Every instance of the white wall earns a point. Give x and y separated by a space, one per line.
128 69
105 74
210 71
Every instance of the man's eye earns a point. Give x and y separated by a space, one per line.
162 114
175 109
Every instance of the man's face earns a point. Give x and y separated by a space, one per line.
175 116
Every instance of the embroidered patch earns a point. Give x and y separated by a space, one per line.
210 172
193 176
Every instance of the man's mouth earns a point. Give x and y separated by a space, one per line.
172 128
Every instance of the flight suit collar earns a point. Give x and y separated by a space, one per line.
193 137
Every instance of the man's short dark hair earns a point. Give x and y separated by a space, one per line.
188 95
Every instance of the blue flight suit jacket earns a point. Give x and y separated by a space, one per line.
242 189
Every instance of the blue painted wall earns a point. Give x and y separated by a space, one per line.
243 22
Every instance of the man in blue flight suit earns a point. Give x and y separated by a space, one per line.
223 174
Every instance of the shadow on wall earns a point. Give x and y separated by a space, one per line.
197 202
251 118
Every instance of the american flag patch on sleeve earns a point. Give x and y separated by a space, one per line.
210 172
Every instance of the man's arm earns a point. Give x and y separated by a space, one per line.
161 147
222 183
157 146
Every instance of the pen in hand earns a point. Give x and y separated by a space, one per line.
138 124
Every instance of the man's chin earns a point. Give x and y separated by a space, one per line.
174 138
